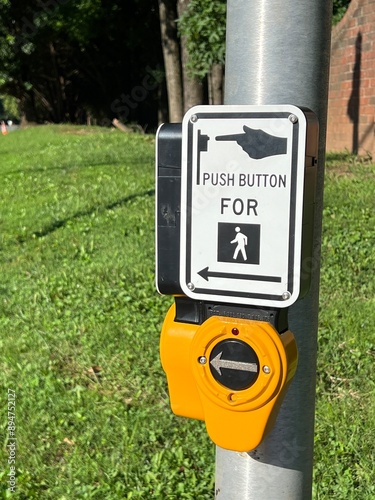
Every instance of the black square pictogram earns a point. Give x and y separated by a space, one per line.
238 243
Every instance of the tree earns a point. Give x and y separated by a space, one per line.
67 61
192 84
339 9
94 60
38 57
203 25
172 61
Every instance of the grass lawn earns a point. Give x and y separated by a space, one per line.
80 323
345 415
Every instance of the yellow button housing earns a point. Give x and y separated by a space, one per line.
201 375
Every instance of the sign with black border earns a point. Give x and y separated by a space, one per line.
242 180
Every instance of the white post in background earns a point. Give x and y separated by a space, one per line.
278 53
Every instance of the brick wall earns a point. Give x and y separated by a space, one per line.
351 100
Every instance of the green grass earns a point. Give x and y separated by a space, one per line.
80 324
345 415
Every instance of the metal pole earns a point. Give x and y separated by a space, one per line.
278 53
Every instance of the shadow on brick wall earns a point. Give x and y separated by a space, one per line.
353 104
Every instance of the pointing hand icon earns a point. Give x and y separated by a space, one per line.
257 143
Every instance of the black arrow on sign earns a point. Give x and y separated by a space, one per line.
205 274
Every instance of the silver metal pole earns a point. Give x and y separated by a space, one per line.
278 53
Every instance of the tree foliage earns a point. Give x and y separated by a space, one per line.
339 9
68 60
203 24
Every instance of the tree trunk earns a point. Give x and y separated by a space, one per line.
171 53
162 103
58 114
215 84
27 108
192 85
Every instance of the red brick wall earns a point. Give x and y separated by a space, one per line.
351 100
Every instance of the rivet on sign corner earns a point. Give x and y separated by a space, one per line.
266 369
286 295
191 286
193 118
293 118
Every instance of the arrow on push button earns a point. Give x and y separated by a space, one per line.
219 363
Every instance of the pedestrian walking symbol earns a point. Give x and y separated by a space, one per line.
238 243
241 240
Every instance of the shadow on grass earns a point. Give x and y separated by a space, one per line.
54 226
69 167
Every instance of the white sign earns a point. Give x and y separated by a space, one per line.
242 178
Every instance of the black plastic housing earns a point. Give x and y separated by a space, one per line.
168 193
